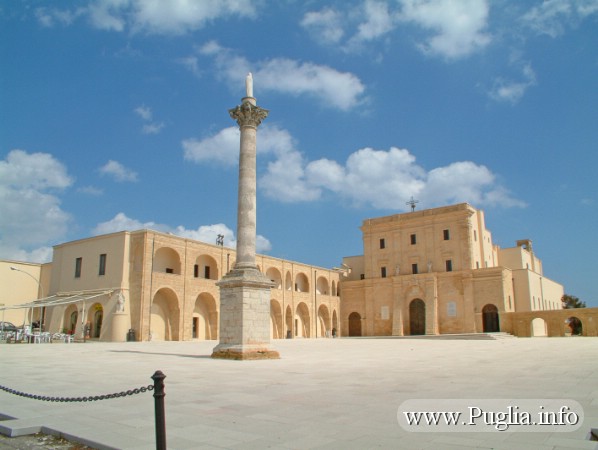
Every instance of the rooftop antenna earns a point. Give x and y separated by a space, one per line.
412 202
220 240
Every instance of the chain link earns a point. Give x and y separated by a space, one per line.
94 398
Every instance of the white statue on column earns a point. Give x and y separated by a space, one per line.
249 85
120 303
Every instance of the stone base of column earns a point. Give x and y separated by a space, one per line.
244 352
245 316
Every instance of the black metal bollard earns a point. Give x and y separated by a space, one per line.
159 394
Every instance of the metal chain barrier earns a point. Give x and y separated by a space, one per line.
157 387
94 398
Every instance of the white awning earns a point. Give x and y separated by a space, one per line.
61 298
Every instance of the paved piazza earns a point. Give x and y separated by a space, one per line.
324 393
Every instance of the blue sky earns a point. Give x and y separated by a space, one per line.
114 115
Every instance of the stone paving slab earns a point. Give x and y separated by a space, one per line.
325 393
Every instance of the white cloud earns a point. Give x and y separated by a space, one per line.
223 147
90 190
108 14
342 90
378 22
145 112
152 128
325 25
117 171
192 64
182 16
387 180
31 212
455 28
285 180
173 17
458 27
49 17
146 115
121 222
552 16
382 179
512 91
204 233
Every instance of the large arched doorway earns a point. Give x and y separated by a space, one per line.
417 317
490 321
275 320
354 324
164 318
575 326
289 321
334 324
539 327
96 321
302 321
70 319
323 321
205 318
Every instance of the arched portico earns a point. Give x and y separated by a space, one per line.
289 322
302 321
301 283
167 260
275 276
164 317
275 320
323 321
205 318
335 328
322 286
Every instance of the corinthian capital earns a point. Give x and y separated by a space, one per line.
247 114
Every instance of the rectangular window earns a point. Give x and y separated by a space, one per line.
475 235
413 239
362 276
383 272
206 272
102 270
446 234
382 243
449 265
169 270
451 309
196 271
78 264
414 269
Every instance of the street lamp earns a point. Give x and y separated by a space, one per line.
41 288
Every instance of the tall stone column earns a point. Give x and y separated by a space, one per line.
245 292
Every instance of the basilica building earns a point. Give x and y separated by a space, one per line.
437 271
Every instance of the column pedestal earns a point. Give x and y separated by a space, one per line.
120 327
245 316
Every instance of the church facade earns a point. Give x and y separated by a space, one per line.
437 271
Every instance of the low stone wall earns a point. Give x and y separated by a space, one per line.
549 323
